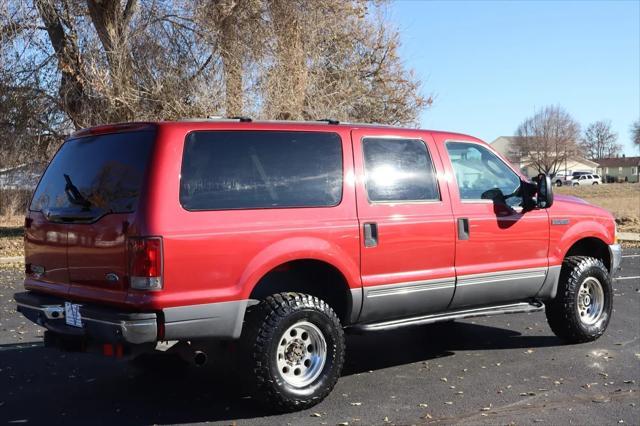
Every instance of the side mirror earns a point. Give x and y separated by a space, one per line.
545 191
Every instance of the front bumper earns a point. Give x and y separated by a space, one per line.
615 253
99 324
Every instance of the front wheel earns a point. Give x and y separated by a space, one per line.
594 183
296 349
582 308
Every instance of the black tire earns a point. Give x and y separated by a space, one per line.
558 183
265 325
564 314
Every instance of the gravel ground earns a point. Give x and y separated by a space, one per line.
502 370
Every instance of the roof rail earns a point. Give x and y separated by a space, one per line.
329 121
242 119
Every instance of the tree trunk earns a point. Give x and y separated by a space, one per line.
72 84
110 22
288 89
232 65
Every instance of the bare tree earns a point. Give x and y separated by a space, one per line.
547 139
635 133
600 141
68 64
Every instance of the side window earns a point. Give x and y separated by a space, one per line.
224 170
399 170
479 170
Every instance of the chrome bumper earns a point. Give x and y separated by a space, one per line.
615 253
101 324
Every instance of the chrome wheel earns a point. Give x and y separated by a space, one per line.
590 301
301 354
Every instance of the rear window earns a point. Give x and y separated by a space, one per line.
259 169
95 175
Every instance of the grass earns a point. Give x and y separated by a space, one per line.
11 232
621 199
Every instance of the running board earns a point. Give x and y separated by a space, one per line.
512 308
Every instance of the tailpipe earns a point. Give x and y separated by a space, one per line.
200 358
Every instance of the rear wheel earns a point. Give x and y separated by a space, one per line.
594 183
296 349
582 308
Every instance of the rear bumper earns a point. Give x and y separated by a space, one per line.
100 324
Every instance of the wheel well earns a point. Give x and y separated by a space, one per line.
308 276
592 247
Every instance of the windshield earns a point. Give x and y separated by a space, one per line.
95 175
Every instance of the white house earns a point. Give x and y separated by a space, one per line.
504 145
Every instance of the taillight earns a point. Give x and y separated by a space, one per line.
145 263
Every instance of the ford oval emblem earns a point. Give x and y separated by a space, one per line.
112 277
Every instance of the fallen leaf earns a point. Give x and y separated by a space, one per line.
356 403
316 415
449 403
423 405
444 379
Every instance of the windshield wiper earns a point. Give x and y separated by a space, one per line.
74 195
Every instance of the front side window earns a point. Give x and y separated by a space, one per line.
223 170
398 170
478 170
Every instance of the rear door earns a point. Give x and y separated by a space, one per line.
501 251
406 225
81 212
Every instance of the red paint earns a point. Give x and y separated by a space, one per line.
215 256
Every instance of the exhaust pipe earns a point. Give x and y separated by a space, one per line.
200 358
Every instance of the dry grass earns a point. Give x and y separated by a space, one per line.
621 199
11 237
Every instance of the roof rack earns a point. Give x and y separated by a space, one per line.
330 121
242 119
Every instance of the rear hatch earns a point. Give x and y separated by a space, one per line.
82 212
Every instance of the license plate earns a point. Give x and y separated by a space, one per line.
72 314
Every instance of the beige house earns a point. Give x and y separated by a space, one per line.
620 169
505 146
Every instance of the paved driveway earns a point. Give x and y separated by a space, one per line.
505 369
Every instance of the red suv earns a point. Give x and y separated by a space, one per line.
282 235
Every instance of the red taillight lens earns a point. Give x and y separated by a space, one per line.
145 263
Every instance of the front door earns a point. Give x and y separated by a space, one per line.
406 225
501 251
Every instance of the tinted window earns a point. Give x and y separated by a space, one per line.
478 170
95 174
399 170
260 169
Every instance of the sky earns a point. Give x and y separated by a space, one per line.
492 64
